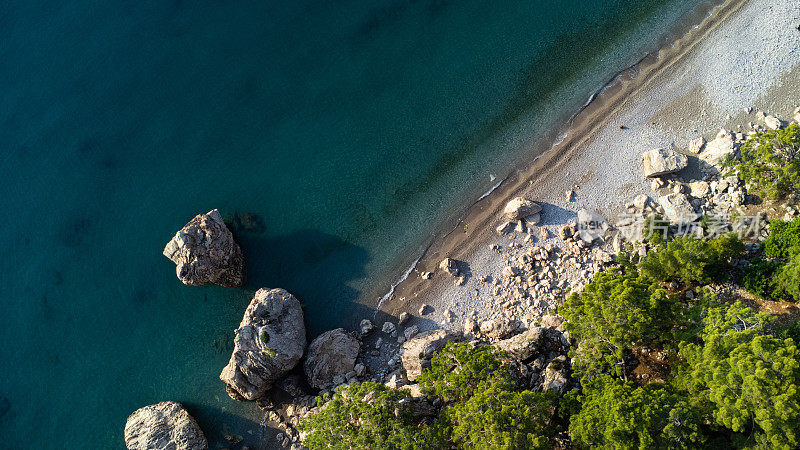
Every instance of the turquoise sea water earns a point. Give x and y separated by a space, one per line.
352 128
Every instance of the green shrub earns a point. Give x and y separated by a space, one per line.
691 260
783 240
746 381
770 162
614 414
612 313
758 278
497 418
368 415
459 368
787 281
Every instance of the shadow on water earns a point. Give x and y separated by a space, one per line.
317 267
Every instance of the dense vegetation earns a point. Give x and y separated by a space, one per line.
777 278
733 382
480 408
770 162
731 376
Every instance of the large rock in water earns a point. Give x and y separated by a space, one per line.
165 425
205 252
330 356
661 161
268 343
417 352
521 208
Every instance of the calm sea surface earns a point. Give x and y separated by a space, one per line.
350 128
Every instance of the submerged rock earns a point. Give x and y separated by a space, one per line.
205 252
165 425
661 161
521 208
269 342
330 356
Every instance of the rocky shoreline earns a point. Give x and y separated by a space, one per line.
547 241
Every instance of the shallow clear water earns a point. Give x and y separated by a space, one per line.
352 128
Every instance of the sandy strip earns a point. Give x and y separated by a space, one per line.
745 54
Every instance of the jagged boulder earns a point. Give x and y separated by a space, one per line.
449 265
417 352
269 342
661 161
165 425
520 208
677 208
330 356
204 252
716 150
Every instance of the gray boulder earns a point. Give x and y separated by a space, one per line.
520 208
661 161
417 352
204 252
269 342
165 425
716 150
555 378
677 208
330 356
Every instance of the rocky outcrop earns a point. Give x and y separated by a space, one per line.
716 150
417 352
773 123
520 208
165 425
677 208
330 357
269 342
204 252
661 161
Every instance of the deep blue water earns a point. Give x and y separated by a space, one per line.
352 128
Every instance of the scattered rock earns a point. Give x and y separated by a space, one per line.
268 343
425 309
506 227
544 234
404 317
641 202
797 114
700 189
470 326
331 354
520 208
410 332
656 184
696 145
204 252
677 208
388 328
555 378
426 275
661 161
417 352
450 266
366 327
773 123
570 195
533 220
165 425
510 271
522 346
718 149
